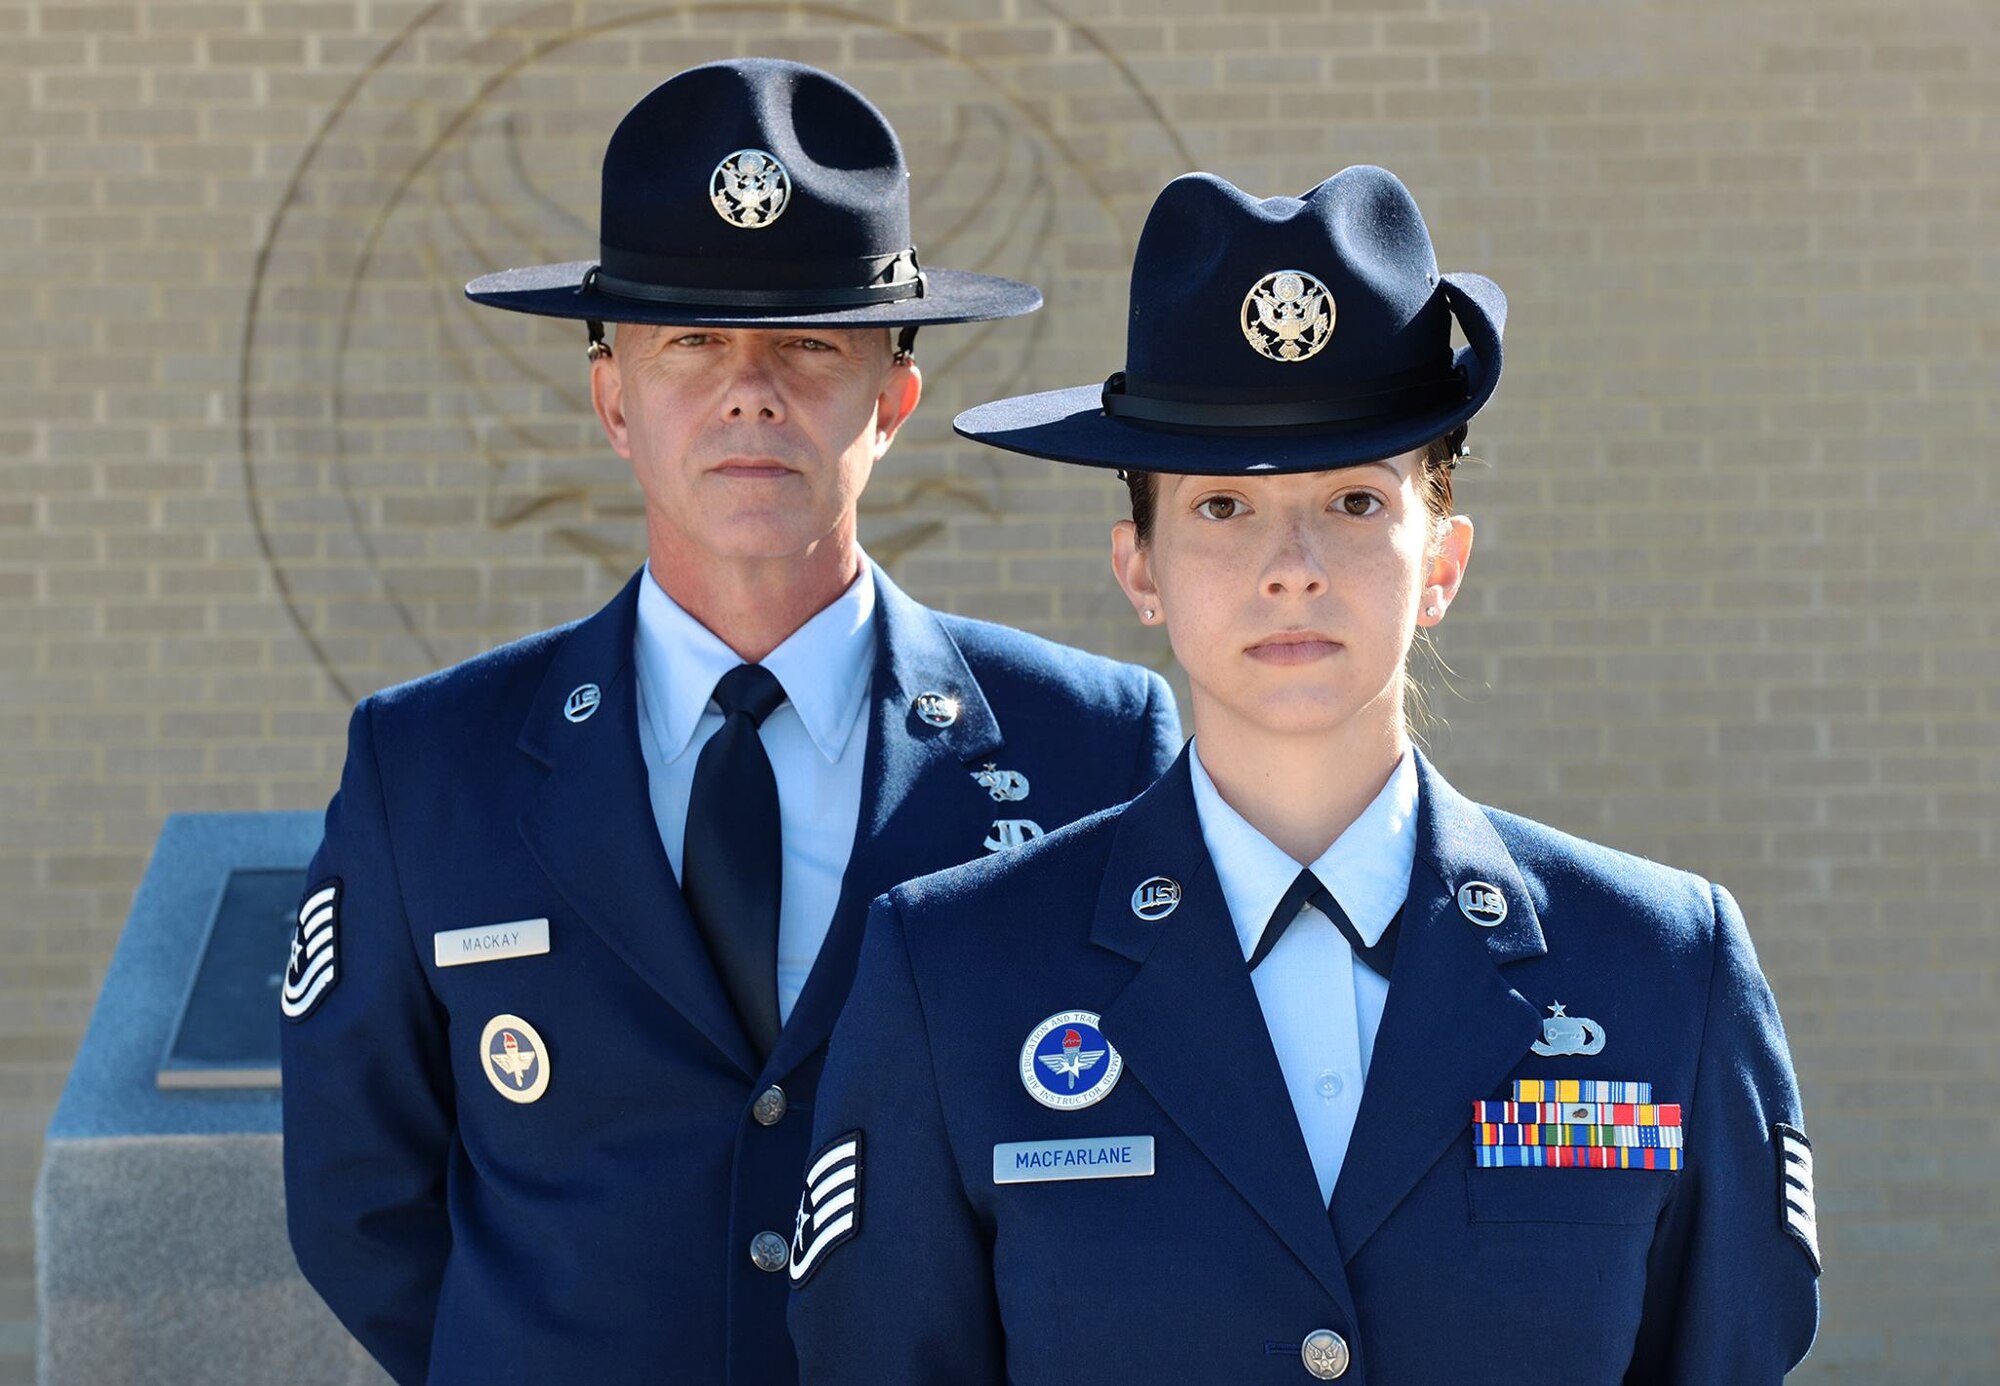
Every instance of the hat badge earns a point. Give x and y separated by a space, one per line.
1288 315
750 189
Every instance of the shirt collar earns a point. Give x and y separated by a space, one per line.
1367 868
824 665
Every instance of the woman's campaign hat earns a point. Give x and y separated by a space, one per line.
755 193
1287 335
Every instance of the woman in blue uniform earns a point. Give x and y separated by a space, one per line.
1301 1065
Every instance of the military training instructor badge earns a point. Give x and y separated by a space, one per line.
1067 1063
517 1062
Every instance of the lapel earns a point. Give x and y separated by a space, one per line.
591 827
1191 1030
913 798
1453 1027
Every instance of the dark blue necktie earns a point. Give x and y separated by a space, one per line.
1307 890
732 858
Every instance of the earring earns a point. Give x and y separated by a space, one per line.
1149 613
1433 611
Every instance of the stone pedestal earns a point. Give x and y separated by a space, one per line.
161 1257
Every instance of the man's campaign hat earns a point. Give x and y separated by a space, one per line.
1283 335
755 193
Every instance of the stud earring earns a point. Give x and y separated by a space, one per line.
1433 611
1149 613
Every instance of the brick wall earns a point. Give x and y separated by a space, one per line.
1731 605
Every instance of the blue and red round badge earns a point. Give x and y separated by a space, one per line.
1067 1063
517 1062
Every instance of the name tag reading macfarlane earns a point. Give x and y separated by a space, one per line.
1099 1157
490 942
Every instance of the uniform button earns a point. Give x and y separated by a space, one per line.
1325 1353
770 1106
1330 1084
770 1252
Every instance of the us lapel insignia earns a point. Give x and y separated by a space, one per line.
515 1059
1067 1064
1482 903
1578 1123
1156 897
1563 1034
582 702
935 709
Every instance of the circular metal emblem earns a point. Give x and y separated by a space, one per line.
1066 1063
936 709
1156 897
1288 315
1325 1353
582 701
770 1107
517 1062
770 1252
1483 904
750 189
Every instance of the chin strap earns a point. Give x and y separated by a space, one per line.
599 349
906 344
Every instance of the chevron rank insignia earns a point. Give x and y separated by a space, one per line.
314 966
830 1207
1796 1211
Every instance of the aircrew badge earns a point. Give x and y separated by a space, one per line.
1067 1064
750 189
1563 1033
314 966
1288 316
516 1060
1005 786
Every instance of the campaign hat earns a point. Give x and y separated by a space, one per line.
756 193
1288 334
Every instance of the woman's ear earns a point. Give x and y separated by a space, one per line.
1447 569
1132 565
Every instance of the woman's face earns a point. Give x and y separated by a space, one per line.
1291 601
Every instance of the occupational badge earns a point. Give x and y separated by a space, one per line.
1482 903
1067 1064
1006 786
750 189
314 966
1288 316
1563 1033
830 1208
516 1060
1797 1213
1012 832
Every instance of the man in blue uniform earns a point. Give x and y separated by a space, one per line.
1301 1066
588 905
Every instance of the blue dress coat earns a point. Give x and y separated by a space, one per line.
603 1232
1219 1265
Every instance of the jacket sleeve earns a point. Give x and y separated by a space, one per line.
367 1091
1160 737
1733 1279
902 1293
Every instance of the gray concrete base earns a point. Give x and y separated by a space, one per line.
162 1261
160 1249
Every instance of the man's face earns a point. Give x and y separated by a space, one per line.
752 443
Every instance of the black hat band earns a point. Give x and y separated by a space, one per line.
782 284
1367 402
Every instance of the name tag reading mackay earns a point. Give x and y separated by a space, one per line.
490 942
1097 1157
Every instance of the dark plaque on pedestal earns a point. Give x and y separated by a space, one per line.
227 1035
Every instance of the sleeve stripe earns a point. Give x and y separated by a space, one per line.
843 1151
822 1243
318 900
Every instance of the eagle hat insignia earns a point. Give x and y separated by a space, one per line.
1067 1064
515 1059
1288 316
750 189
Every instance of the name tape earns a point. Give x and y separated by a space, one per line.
1097 1157
524 938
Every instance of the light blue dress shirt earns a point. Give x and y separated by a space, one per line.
817 743
1323 1007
